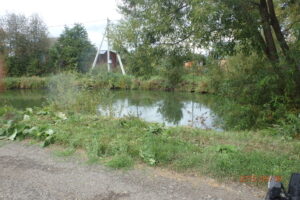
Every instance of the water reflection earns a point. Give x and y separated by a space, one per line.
172 109
21 99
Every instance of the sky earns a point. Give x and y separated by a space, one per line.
57 13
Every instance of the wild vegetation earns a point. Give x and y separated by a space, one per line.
250 60
120 143
24 43
252 50
112 81
28 50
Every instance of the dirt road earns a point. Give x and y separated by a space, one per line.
32 173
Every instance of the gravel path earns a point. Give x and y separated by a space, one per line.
32 173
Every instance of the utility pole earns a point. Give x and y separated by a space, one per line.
99 49
108 47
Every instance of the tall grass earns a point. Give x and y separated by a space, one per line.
107 80
63 91
33 82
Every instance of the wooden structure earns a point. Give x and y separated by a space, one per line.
113 60
109 57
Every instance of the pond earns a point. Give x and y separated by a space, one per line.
169 108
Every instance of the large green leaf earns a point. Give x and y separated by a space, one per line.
14 135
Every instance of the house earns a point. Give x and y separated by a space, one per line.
190 64
102 59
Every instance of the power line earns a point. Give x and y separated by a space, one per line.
86 22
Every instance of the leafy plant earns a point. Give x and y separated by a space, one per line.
124 161
289 126
13 130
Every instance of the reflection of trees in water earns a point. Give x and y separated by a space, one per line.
23 98
142 98
171 109
170 105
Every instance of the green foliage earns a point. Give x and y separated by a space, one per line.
263 94
111 81
18 129
33 82
63 91
289 126
172 68
262 69
119 143
73 50
121 161
143 56
25 42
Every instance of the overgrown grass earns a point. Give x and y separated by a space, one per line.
119 143
109 81
33 82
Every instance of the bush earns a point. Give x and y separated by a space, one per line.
63 91
289 126
262 92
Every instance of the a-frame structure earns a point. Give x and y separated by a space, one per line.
106 36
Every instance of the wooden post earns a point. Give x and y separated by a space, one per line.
121 64
99 49
108 47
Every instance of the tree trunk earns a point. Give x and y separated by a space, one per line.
277 29
262 42
270 44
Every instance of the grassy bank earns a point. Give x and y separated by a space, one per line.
113 81
25 82
121 143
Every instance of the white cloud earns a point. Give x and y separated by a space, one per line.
57 13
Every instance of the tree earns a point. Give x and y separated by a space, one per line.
25 44
225 25
73 50
147 46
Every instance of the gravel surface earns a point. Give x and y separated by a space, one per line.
32 173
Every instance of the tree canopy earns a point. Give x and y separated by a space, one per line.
226 26
25 43
73 50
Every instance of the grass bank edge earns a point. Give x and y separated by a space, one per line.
113 81
119 143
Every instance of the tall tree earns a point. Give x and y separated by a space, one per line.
25 44
224 25
73 50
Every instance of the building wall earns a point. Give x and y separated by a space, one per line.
102 59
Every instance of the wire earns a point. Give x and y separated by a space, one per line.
86 22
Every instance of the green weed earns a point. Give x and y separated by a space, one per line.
124 161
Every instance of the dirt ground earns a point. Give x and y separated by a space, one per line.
32 173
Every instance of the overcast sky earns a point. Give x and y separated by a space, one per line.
57 13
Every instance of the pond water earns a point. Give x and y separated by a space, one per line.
169 108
